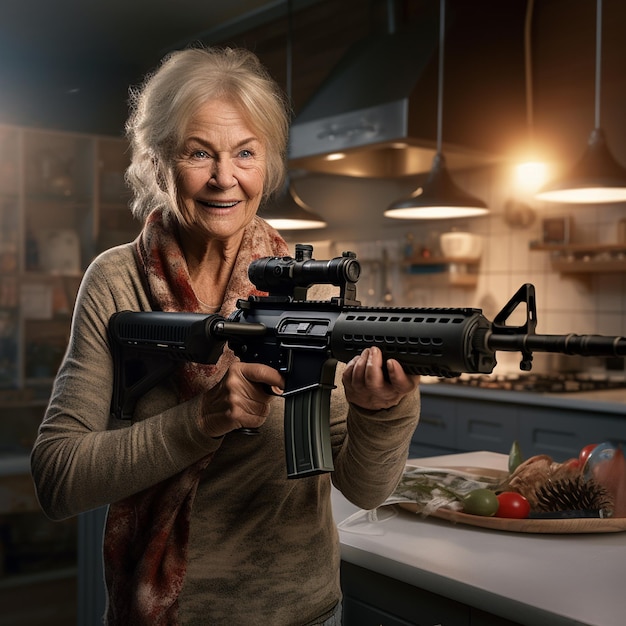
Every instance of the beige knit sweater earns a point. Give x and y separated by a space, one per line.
263 549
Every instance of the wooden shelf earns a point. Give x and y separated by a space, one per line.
589 267
419 260
432 268
579 248
582 258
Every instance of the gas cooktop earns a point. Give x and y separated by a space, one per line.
540 383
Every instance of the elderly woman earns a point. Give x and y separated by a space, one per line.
203 525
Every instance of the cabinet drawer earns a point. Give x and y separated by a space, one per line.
371 599
486 426
437 424
419 450
357 613
561 434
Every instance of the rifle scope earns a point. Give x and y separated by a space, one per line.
281 275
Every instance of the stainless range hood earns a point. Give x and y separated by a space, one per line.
375 115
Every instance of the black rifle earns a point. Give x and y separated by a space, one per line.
304 340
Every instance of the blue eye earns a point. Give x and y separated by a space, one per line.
246 154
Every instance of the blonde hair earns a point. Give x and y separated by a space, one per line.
163 105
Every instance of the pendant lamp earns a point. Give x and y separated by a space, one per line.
287 211
439 197
597 177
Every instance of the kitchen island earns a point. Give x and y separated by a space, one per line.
458 575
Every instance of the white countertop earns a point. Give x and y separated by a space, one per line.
529 578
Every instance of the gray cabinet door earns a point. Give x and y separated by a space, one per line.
488 426
561 434
437 425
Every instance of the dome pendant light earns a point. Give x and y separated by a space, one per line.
439 198
597 178
288 211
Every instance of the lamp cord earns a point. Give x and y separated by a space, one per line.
598 59
528 65
442 29
289 69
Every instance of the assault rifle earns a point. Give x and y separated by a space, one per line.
304 340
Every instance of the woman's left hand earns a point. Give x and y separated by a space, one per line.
365 384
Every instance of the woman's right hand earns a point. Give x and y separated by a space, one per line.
240 399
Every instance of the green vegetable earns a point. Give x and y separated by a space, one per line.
480 502
515 457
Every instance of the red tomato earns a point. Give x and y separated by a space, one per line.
585 452
513 505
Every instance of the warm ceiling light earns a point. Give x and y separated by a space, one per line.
530 176
335 156
439 198
597 177
289 212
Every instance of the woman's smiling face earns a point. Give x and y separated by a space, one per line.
220 172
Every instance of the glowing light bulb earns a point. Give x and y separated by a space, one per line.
530 176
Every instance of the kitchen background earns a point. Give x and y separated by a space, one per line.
519 76
584 301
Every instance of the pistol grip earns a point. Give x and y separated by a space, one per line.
307 432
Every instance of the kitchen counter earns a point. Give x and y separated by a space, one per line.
611 401
531 579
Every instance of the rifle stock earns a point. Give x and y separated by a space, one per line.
305 339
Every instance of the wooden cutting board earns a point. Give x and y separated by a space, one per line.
553 526
548 526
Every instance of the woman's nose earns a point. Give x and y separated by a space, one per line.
222 174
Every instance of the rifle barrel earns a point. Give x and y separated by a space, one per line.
582 345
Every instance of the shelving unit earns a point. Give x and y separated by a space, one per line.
62 201
585 258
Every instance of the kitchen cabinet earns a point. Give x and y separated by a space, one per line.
449 425
37 556
473 419
62 200
486 426
585 258
373 599
436 431
561 434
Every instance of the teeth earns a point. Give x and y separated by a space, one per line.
219 205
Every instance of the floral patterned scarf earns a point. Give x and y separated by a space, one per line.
145 544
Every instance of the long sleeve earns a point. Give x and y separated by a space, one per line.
83 458
372 448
